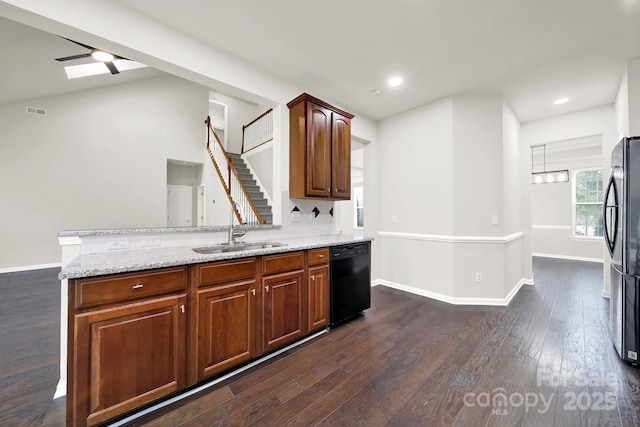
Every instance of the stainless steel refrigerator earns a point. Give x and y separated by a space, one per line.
621 217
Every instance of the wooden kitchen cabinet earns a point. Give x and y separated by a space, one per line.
125 356
318 289
226 319
319 150
283 294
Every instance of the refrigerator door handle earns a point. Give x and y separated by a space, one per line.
611 241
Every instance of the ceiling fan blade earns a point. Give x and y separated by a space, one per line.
69 58
79 44
112 67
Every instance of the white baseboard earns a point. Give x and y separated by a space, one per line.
29 267
456 300
569 257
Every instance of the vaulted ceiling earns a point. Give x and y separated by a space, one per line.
531 51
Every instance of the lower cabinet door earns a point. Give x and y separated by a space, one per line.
318 298
134 354
226 327
283 299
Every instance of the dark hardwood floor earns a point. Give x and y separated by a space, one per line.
545 360
30 349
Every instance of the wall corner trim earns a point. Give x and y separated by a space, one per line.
452 239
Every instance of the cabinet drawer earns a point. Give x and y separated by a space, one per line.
226 271
107 290
318 256
281 263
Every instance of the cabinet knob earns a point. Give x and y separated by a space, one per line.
138 286
321 256
266 288
182 308
313 277
253 291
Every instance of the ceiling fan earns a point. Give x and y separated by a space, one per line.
97 54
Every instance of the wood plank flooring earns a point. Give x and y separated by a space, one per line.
410 361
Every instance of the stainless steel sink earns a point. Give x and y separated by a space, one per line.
236 247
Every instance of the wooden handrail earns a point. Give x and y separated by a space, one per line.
231 170
249 124
257 118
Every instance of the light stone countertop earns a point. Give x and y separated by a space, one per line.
99 264
162 230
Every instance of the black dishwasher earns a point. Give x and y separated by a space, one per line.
350 281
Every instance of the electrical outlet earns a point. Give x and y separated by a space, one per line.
148 242
478 277
394 219
117 244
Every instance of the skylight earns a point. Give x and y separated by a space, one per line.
95 68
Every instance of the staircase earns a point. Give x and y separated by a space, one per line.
253 190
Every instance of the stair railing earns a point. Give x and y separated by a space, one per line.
236 192
257 132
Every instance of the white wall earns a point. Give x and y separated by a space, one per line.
444 169
239 113
477 164
260 160
516 216
97 160
633 76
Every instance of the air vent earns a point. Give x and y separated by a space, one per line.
37 111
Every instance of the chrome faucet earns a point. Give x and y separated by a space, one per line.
243 220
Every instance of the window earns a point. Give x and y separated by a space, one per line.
358 207
587 203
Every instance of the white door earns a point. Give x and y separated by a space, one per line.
179 205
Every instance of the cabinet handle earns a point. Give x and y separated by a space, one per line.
313 277
321 256
266 288
253 291
138 286
182 308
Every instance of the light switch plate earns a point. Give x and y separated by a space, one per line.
495 219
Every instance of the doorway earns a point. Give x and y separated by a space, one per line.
350 214
179 205
184 188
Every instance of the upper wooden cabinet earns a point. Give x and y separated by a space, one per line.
319 150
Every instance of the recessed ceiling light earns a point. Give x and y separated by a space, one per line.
395 81
560 101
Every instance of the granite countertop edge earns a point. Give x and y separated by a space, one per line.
100 264
162 230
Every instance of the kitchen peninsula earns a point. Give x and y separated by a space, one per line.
144 324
